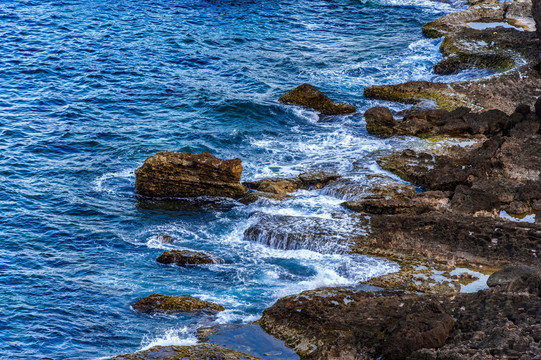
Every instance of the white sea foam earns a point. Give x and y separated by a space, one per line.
101 184
181 337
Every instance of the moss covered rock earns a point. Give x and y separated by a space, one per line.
309 96
195 352
157 303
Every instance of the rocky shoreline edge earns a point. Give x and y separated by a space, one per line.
476 210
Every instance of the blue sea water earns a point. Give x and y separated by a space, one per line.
89 89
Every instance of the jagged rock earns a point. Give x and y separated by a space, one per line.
186 257
194 352
175 174
309 96
282 187
341 323
380 121
157 303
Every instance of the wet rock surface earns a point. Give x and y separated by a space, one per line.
339 323
157 303
279 188
308 96
175 174
186 258
311 233
194 352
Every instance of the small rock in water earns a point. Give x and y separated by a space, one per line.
157 303
186 257
165 239
380 121
176 174
309 96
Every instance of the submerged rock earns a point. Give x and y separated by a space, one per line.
186 257
165 239
194 352
176 174
309 96
310 233
157 303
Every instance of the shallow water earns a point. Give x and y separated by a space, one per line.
90 89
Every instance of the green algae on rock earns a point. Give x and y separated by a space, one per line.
309 96
176 174
157 303
186 257
194 352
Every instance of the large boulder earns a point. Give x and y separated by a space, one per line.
309 96
179 174
194 352
157 303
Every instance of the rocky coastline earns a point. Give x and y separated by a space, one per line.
457 209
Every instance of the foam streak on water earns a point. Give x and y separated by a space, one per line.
89 89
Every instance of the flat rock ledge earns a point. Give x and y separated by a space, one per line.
157 303
308 96
502 322
194 352
186 258
169 174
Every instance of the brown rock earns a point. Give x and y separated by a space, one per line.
157 303
380 121
174 174
186 257
309 96
278 186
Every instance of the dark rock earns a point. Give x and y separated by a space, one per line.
426 325
380 121
472 200
174 174
523 109
157 303
186 257
517 278
536 14
194 352
309 96
537 107
418 204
